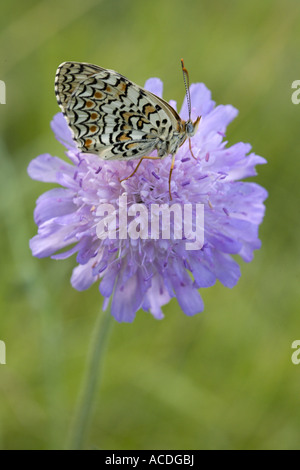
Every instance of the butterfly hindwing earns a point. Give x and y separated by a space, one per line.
68 77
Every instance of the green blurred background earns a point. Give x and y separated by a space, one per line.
223 379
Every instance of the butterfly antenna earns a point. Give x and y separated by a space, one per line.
187 87
186 80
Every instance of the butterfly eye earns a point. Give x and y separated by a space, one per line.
189 128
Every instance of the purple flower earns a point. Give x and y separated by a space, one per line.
147 273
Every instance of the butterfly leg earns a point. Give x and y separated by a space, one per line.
170 175
136 168
190 146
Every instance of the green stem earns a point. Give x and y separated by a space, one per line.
90 382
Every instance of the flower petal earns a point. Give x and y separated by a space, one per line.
82 277
155 85
54 203
127 298
227 270
202 275
187 294
107 284
46 168
157 296
188 298
62 132
42 246
217 121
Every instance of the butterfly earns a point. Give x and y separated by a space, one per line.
114 118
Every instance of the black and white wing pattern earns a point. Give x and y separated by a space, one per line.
113 117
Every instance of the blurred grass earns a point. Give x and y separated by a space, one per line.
223 379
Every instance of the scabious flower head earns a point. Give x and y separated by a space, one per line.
147 273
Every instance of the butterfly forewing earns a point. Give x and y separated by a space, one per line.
109 115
